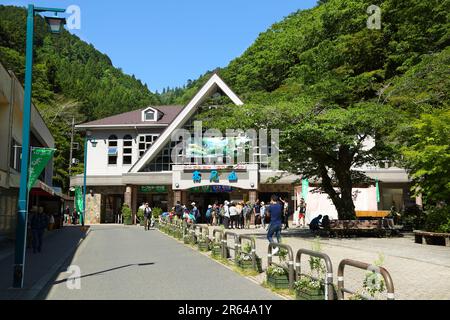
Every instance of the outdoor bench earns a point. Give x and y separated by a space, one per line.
424 237
356 227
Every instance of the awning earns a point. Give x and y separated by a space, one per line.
42 189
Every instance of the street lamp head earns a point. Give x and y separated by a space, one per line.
94 143
55 24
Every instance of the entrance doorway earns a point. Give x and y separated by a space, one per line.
202 200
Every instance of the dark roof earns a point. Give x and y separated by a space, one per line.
135 117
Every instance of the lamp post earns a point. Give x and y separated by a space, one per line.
56 24
94 144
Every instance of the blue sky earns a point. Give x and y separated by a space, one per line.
166 42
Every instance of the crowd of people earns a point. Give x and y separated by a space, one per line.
232 214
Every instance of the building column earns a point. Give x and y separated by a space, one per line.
127 200
177 196
134 204
252 197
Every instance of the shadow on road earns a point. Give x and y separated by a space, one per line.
105 271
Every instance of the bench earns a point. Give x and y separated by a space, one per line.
422 237
357 227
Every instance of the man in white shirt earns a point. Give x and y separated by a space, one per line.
226 216
233 215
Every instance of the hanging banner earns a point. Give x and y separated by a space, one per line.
40 157
378 192
79 199
305 188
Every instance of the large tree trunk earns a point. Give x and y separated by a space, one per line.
343 200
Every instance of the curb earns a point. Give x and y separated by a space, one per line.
36 289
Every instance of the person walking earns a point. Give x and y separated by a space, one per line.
214 213
209 213
302 213
247 212
39 222
226 215
179 210
286 213
275 211
147 216
195 212
74 217
233 216
240 216
257 213
263 215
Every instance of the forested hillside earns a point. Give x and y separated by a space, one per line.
70 79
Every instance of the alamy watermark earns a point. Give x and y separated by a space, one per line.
73 22
374 20
212 147
74 280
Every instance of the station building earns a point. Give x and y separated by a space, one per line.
130 159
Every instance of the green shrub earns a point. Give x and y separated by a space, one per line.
126 214
140 215
156 213
438 220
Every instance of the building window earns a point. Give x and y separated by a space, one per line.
112 150
127 149
150 115
145 142
16 155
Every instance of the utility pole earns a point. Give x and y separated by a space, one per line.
71 148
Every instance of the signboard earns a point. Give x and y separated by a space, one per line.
212 189
154 189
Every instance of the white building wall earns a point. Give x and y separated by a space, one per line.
98 156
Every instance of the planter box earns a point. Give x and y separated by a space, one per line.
248 264
278 282
203 246
310 294
216 251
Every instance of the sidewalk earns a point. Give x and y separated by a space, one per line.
419 272
58 246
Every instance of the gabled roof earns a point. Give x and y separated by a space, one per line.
212 86
134 118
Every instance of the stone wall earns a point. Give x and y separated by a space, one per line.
93 208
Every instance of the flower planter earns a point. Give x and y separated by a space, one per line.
248 264
216 251
203 246
278 281
310 294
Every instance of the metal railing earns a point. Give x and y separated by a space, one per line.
253 250
364 266
226 248
328 281
290 261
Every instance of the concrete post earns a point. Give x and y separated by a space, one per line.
128 197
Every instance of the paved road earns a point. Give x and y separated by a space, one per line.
119 262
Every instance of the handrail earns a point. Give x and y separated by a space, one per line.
225 245
290 261
364 266
253 252
328 276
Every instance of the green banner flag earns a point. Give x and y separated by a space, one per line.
79 199
305 188
40 157
378 192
